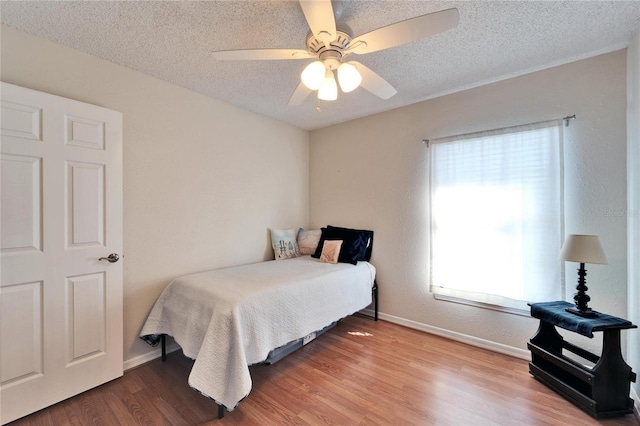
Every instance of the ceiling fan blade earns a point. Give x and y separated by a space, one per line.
405 31
299 95
319 16
261 54
372 82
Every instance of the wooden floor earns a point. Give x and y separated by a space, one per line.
360 373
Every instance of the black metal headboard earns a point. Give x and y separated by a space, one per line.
367 255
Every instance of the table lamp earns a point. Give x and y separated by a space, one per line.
582 249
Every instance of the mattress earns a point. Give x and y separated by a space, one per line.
278 353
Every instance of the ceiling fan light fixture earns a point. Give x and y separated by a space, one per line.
331 41
313 75
329 89
348 77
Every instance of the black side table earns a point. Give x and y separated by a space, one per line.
601 391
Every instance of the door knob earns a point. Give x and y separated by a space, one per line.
112 258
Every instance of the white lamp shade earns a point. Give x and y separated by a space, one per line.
313 75
348 77
583 249
329 89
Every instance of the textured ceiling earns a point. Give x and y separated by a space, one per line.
174 40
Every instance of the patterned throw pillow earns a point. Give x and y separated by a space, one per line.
308 240
284 243
331 251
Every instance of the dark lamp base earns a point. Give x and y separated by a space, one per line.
588 313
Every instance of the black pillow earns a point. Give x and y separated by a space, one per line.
355 243
318 251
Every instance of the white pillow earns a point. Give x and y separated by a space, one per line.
284 243
308 240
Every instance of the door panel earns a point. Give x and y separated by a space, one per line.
61 308
84 132
21 195
85 204
21 121
86 317
21 306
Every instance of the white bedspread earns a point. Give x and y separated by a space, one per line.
231 318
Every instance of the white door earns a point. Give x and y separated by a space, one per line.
60 211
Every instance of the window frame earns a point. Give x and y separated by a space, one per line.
461 296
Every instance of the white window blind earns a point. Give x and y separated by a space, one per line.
496 215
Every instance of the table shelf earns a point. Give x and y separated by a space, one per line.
601 391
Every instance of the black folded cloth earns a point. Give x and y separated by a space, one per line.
555 313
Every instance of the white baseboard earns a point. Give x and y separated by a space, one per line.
459 337
149 356
636 404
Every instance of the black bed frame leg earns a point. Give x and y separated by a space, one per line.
163 345
375 299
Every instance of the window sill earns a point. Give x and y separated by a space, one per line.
525 312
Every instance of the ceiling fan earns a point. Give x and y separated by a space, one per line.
331 41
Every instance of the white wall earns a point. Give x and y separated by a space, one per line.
371 173
203 180
633 212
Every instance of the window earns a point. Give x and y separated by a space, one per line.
496 215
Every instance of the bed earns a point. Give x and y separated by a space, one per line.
229 319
